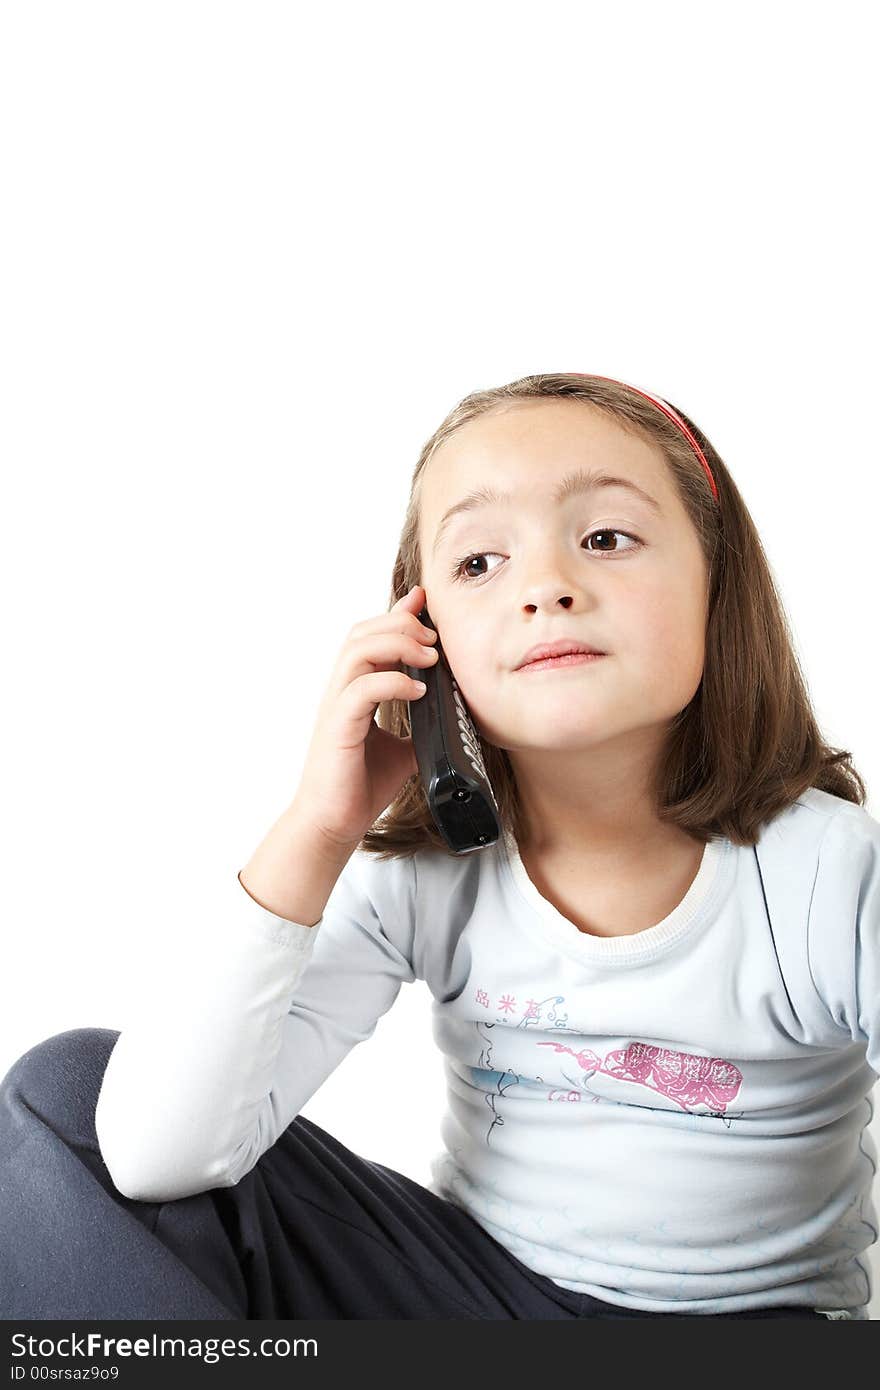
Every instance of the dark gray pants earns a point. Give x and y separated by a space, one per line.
313 1231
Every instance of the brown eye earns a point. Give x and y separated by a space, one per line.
608 531
465 567
460 568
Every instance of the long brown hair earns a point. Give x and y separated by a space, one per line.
747 745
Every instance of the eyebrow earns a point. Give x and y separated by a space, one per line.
572 485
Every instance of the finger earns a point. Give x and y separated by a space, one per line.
414 600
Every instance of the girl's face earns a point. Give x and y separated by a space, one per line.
531 569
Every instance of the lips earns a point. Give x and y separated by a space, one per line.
561 647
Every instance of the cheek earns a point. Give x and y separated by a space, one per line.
669 614
469 662
469 641
672 639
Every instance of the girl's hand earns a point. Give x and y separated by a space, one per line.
354 769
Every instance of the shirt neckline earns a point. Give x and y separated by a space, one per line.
698 903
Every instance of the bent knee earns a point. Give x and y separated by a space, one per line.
62 1075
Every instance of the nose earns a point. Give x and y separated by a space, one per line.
552 579
533 605
551 590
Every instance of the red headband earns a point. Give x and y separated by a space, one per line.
673 416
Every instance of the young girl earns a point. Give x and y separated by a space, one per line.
656 994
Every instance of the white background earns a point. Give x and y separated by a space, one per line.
252 254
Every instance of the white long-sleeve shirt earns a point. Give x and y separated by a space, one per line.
673 1120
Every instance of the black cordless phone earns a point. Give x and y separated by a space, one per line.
451 767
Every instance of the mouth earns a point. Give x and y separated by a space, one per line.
554 663
564 651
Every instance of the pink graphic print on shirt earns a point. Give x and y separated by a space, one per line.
684 1077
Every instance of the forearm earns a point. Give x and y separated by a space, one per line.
294 869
